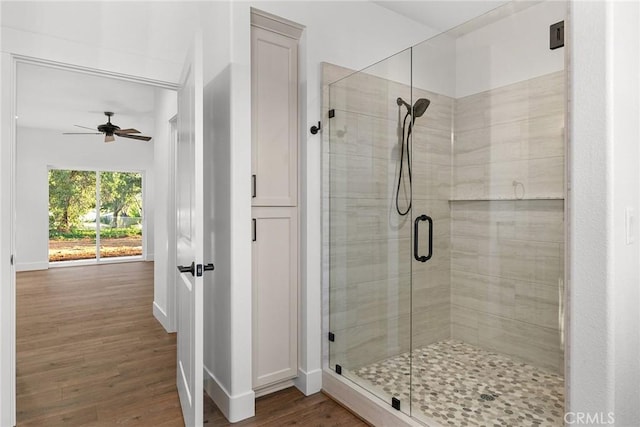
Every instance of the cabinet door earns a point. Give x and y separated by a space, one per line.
274 109
275 295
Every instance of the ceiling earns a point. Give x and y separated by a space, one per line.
441 15
56 99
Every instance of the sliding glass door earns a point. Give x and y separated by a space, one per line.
94 215
72 214
120 227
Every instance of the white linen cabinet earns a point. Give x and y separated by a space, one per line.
274 186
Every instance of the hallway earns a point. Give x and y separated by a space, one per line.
89 350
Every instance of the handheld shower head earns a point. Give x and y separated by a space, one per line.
418 109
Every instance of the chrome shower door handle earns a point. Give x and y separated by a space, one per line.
416 240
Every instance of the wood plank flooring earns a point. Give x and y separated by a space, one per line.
287 408
90 353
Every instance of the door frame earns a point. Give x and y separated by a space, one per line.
9 65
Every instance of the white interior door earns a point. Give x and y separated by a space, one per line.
190 238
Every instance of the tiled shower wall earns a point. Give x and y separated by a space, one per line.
495 279
509 142
507 229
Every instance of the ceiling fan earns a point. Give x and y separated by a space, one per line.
109 130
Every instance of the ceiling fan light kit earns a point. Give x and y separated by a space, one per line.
109 130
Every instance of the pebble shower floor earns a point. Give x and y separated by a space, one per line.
458 384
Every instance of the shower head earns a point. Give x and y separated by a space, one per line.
418 109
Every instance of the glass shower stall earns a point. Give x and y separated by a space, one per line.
444 229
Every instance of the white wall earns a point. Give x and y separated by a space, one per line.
37 150
509 50
624 105
164 272
7 291
604 344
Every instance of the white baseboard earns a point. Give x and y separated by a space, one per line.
309 382
366 405
273 388
162 317
32 266
234 408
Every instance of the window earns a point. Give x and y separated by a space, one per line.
94 215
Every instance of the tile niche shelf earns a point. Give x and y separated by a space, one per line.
504 199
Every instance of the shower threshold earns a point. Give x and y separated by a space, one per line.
454 383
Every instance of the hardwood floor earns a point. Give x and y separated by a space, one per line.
90 353
290 407
287 408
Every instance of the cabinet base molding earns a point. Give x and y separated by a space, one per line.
272 388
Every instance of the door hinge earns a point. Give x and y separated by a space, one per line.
332 113
11 259
332 337
395 403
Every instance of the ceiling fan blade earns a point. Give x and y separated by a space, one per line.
81 133
139 137
126 131
84 127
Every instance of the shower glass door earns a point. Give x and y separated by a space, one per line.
488 174
370 239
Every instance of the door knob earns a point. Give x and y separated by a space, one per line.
193 269
190 269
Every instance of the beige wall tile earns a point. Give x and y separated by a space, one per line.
538 304
533 344
537 97
464 324
493 295
513 134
